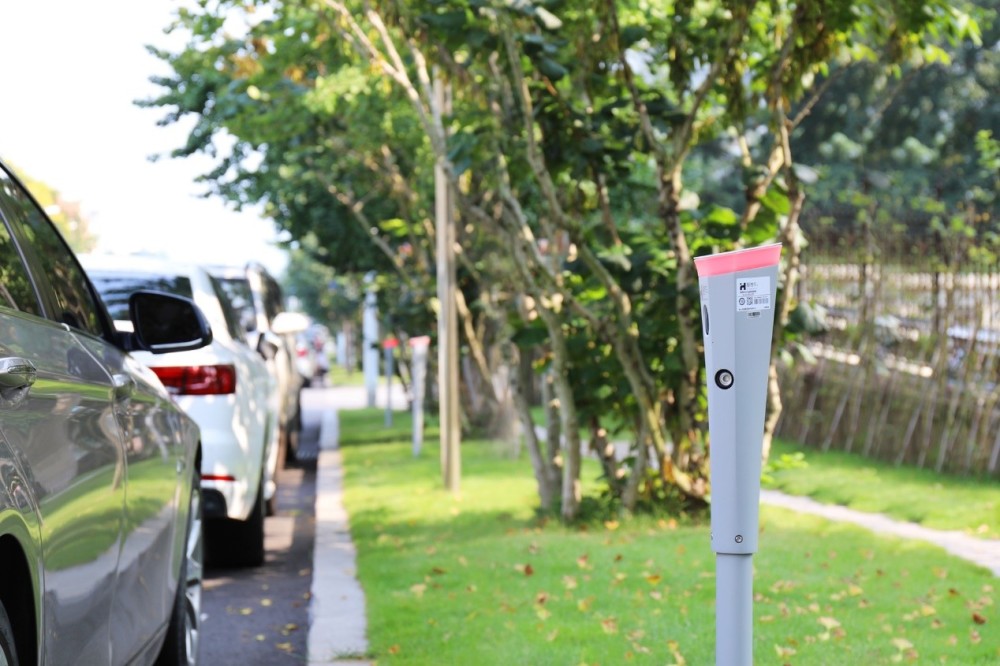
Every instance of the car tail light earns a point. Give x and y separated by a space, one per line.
198 379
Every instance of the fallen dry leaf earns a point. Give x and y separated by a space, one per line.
784 651
902 644
828 622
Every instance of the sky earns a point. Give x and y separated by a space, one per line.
69 73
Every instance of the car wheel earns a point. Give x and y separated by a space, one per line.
8 652
292 430
241 542
181 645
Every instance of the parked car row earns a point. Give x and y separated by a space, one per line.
141 402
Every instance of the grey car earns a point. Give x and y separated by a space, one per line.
100 501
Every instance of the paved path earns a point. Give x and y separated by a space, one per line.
985 553
337 613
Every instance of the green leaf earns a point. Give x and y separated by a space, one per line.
394 227
531 336
617 256
776 201
631 34
808 318
551 69
723 216
448 21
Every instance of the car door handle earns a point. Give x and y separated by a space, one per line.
16 373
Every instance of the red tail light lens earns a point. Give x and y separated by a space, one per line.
198 379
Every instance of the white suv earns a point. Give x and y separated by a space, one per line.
257 298
225 387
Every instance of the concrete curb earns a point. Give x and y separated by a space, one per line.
337 620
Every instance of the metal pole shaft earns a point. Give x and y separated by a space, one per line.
733 610
369 354
389 371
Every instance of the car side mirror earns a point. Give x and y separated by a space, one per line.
267 346
289 322
165 323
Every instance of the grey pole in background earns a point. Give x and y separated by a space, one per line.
418 379
737 300
369 335
389 346
342 349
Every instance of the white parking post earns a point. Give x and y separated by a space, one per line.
737 299
369 335
418 380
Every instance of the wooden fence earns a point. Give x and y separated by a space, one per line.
908 370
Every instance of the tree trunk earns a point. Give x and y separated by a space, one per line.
569 422
546 474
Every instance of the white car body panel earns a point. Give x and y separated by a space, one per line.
239 431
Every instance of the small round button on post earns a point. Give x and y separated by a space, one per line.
724 379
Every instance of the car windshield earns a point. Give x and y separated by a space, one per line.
241 298
116 288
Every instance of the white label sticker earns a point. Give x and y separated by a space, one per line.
753 294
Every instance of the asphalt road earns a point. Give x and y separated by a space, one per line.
261 615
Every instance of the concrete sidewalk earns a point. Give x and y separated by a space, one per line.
337 626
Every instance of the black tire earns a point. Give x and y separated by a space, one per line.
290 437
180 648
241 542
8 650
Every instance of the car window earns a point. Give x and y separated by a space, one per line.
16 291
236 330
72 299
115 288
241 298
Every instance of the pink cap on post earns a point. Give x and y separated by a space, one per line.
738 260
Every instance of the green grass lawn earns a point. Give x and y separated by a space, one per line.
916 495
479 579
337 375
939 501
